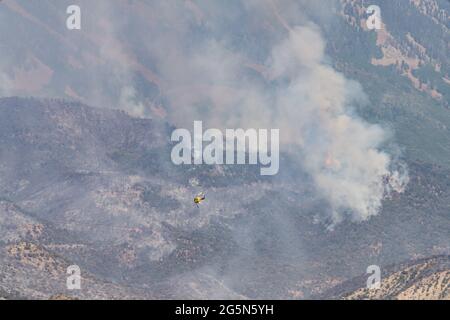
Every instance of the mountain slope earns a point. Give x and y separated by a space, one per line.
424 279
96 188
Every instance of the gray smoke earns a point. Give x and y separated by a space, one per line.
249 64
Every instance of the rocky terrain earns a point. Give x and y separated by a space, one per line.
86 177
124 214
423 279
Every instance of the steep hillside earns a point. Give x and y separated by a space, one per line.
95 186
116 206
425 279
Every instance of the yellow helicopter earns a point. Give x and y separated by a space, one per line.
199 198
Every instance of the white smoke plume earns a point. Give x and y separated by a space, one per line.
308 100
130 103
339 150
249 64
6 86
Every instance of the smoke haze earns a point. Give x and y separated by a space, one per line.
249 64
